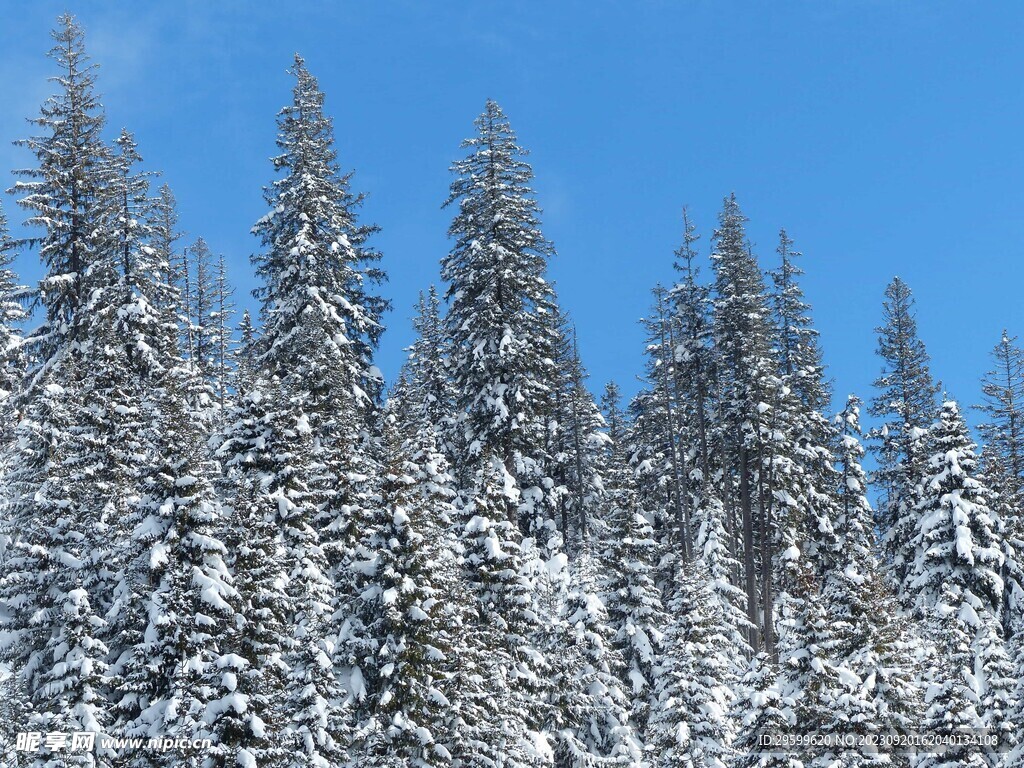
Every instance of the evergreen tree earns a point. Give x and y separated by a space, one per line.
743 339
1003 466
320 321
696 679
406 583
251 722
12 314
905 402
635 610
429 396
500 360
951 699
64 192
592 710
867 636
178 666
500 715
244 354
956 540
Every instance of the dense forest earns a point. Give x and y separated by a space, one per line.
238 536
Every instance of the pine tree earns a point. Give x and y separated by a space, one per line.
799 351
320 321
905 402
223 310
250 723
958 556
500 715
407 581
635 610
952 702
867 636
743 336
243 356
500 362
429 396
760 713
956 540
1003 466
165 244
178 666
696 679
592 710
12 314
64 192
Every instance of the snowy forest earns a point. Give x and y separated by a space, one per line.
230 531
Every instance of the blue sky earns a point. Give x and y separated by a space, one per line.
886 137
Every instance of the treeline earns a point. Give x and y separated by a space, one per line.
242 535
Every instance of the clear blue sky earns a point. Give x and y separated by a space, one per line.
885 136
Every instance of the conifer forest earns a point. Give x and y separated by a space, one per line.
227 531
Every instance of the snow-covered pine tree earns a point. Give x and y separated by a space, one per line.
799 349
249 724
952 695
632 596
576 449
798 435
320 320
272 463
719 566
694 374
243 355
12 314
657 438
500 714
404 640
591 710
164 241
178 668
957 545
867 635
81 430
743 334
64 191
956 539
500 359
1003 466
760 713
200 308
905 402
695 678
50 591
428 399
223 311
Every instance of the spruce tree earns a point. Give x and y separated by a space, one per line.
905 402
592 720
404 643
64 191
867 636
320 320
178 667
696 680
1003 466
956 540
743 334
500 714
12 314
500 360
